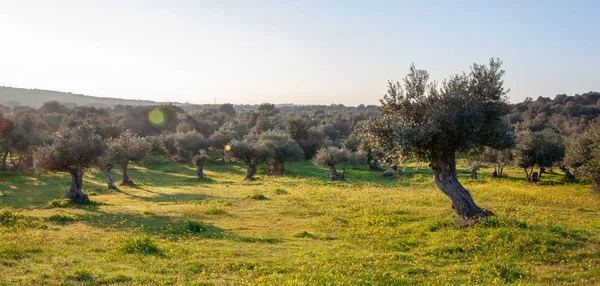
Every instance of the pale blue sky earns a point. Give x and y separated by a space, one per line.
303 52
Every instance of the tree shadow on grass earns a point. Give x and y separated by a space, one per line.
171 227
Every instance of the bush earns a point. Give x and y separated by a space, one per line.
280 192
193 226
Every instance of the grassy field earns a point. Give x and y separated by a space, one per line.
171 228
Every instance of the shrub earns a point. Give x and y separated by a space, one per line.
193 226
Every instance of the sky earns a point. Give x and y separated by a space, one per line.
301 52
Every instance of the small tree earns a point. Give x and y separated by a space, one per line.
182 147
220 138
281 148
473 159
248 151
330 157
542 149
74 149
498 158
199 160
124 149
419 120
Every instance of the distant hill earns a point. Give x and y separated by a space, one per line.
11 96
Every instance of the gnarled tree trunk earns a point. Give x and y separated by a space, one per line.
200 169
534 177
126 180
4 158
444 175
495 173
474 173
75 194
111 180
250 171
275 168
596 185
568 175
334 175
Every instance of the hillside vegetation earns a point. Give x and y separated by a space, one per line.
170 227
36 98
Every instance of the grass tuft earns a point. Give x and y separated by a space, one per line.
144 245
62 219
258 197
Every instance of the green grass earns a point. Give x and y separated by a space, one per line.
298 229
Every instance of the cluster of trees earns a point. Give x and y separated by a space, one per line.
468 116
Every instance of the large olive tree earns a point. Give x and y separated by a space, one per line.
124 149
430 123
73 150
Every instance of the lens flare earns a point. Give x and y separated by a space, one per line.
156 117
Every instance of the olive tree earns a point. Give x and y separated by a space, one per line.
281 148
498 158
331 156
419 119
73 150
250 152
473 159
124 149
583 155
541 149
182 147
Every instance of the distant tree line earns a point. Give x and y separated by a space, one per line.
467 117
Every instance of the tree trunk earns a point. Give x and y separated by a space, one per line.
568 175
376 165
534 177
126 180
371 167
444 176
334 175
474 173
250 171
275 168
596 185
75 194
495 173
200 169
4 161
527 175
111 180
501 173
542 170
